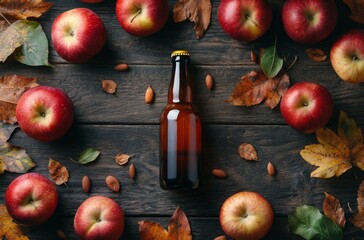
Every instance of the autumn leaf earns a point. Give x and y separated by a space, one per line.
357 10
109 86
316 55
248 152
6 131
11 89
23 9
178 228
8 228
122 158
14 159
198 12
358 218
333 210
255 87
335 154
58 172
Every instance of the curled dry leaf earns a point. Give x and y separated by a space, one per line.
122 158
9 229
58 172
219 173
112 183
149 95
358 218
333 210
23 9
271 169
109 86
122 67
316 55
248 152
198 12
357 10
86 184
14 159
178 228
209 81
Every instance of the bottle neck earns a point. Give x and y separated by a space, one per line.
180 88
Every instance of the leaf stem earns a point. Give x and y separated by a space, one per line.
274 53
293 63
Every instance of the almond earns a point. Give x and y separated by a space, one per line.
122 67
271 169
209 81
132 171
61 234
253 57
86 184
220 238
112 183
149 95
219 173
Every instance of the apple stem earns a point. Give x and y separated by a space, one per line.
136 14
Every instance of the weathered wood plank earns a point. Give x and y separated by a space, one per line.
83 84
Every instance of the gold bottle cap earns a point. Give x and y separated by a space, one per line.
180 53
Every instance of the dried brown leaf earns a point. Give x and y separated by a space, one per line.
58 172
248 152
198 12
9 229
358 218
254 87
178 228
122 158
6 131
23 9
333 210
316 55
357 10
109 86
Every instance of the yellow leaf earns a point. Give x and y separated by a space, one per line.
8 228
336 153
23 9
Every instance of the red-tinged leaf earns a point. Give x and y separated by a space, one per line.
333 210
358 218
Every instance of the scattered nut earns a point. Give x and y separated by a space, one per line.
122 67
220 238
109 86
149 95
219 173
248 152
271 169
112 183
61 234
253 57
209 81
86 184
132 171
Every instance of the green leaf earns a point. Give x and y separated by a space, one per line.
88 155
270 62
310 223
5 131
14 159
34 50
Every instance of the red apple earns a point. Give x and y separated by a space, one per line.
78 35
246 216
142 17
309 21
245 20
31 199
307 106
347 56
100 218
45 113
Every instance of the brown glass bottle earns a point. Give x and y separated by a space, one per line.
180 130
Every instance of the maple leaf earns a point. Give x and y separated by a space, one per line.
8 228
358 218
254 87
198 12
11 89
23 9
333 210
178 228
58 172
335 154
357 10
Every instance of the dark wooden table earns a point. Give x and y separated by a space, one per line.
124 123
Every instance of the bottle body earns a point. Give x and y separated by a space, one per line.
180 132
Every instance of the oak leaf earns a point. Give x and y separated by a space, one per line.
198 12
8 228
358 218
357 10
333 210
23 9
178 228
14 159
58 172
254 87
336 153
11 89
316 55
